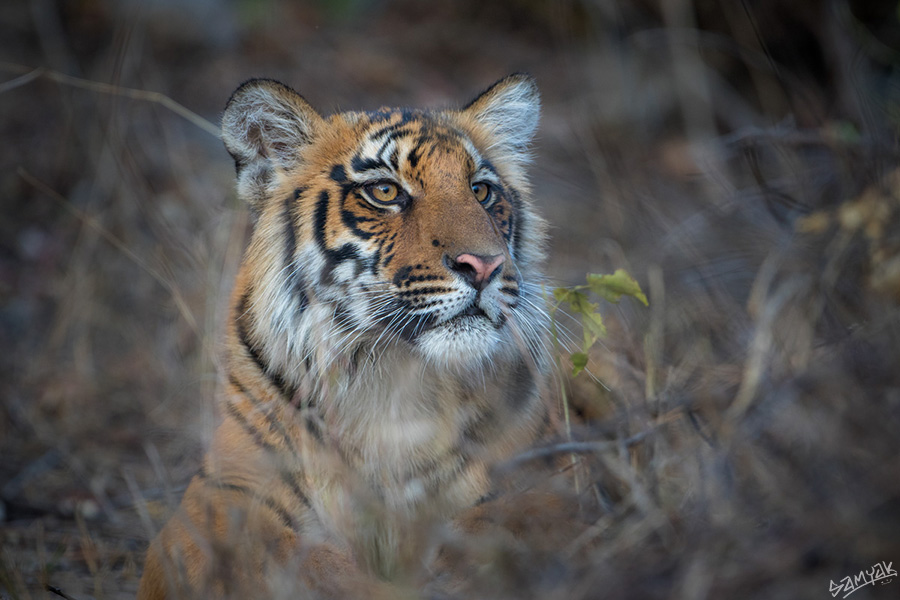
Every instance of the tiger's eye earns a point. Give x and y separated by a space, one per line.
384 191
482 192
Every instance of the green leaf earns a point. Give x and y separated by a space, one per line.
593 322
589 339
579 362
563 294
578 301
613 287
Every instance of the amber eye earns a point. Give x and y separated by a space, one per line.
383 192
482 192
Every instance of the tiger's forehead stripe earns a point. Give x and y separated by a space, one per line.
415 134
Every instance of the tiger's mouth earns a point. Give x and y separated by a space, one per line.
472 311
472 315
472 319
468 338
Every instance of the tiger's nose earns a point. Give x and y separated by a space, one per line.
476 269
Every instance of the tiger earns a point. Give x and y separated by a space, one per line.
387 343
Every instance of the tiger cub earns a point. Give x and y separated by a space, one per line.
386 345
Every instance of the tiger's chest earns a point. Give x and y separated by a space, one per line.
395 462
403 433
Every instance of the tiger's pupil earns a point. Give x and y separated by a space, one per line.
385 192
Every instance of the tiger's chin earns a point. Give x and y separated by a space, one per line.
462 342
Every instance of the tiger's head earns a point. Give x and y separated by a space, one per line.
391 227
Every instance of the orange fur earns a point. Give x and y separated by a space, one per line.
385 347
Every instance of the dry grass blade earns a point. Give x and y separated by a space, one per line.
170 287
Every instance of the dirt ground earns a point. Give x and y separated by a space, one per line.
739 159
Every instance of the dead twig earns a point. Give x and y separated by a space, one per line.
592 447
106 88
55 590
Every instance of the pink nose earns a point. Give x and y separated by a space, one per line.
477 269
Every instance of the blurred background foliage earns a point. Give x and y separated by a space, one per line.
738 157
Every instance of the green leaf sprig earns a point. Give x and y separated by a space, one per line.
610 288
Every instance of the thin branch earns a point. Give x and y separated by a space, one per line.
22 80
58 592
595 447
107 88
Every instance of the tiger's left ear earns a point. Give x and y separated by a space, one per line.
508 111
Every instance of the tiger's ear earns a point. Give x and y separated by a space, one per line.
265 126
509 111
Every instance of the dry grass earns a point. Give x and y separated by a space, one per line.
739 437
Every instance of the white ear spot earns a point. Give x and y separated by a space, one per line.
509 111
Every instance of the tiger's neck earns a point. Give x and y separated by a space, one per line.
383 403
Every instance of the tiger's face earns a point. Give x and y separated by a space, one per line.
401 226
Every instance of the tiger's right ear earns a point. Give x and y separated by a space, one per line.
265 126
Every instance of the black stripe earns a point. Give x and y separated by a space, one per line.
395 160
383 147
320 218
297 284
416 278
290 235
487 166
510 226
273 423
424 290
287 520
406 115
287 477
392 133
412 158
517 215
401 276
338 173
374 260
274 377
290 480
232 487
352 222
312 427
248 427
335 257
360 164
434 146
